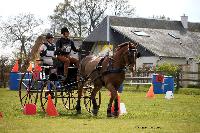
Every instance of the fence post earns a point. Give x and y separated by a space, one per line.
177 77
198 84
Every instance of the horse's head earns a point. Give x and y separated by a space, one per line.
129 53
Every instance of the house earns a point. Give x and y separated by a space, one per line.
159 40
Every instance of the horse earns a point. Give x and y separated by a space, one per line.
106 71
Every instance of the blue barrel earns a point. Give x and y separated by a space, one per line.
14 78
168 84
157 86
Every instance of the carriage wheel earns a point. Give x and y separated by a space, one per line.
48 88
69 98
87 90
28 89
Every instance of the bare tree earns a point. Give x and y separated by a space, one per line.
122 8
70 14
4 70
18 32
161 17
95 10
80 16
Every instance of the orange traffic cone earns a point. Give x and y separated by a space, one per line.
150 92
51 109
112 108
15 67
30 67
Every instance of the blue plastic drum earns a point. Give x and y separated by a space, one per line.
157 85
168 84
14 78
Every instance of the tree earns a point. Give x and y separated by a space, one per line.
95 10
4 70
18 32
80 16
122 8
70 14
161 17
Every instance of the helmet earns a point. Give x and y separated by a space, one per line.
49 35
64 29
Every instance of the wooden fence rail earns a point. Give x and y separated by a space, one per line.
145 78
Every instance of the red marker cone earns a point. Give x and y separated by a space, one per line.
15 67
150 92
29 109
1 115
51 109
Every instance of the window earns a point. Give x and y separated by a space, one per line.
174 36
140 33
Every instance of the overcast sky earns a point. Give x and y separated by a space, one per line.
144 8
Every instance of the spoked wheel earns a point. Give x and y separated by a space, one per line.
48 88
87 91
69 98
28 89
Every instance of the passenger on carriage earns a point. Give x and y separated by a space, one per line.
63 48
47 50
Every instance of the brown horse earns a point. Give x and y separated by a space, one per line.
107 71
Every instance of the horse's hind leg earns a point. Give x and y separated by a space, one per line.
113 96
78 104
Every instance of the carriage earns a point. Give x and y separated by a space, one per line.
36 85
94 73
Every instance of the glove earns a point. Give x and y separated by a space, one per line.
43 53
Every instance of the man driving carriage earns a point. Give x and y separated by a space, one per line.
63 48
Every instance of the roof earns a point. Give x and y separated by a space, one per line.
160 41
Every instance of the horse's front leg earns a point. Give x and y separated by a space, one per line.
113 96
94 102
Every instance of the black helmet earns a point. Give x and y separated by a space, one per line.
64 29
49 35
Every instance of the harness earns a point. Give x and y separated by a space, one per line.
109 69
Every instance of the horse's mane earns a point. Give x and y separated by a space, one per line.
121 46
34 54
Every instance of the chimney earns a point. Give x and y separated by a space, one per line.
184 21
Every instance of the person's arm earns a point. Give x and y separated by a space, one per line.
73 47
42 50
58 50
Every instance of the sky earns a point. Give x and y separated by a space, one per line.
144 8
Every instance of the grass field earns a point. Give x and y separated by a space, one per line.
159 115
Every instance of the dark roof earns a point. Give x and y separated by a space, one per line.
152 23
159 42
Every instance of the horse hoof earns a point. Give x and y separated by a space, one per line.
95 112
109 115
116 114
78 112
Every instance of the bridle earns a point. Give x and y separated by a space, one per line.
129 56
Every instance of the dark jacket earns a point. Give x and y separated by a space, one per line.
64 46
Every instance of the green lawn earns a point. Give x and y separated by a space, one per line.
179 115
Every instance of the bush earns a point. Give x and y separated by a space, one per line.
168 69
